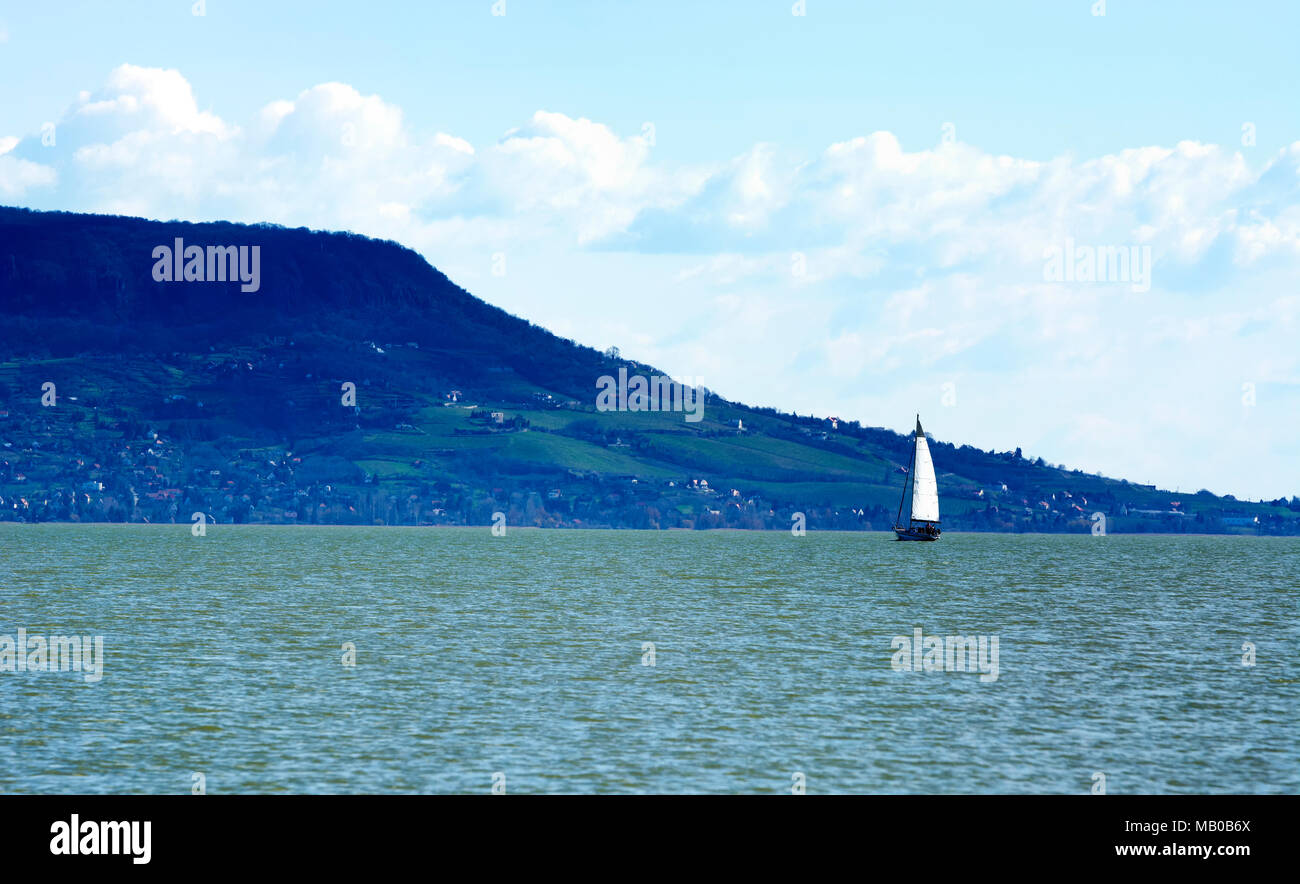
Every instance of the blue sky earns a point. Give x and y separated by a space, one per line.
845 212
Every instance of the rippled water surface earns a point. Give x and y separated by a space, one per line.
524 654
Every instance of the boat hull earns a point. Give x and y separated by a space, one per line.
914 534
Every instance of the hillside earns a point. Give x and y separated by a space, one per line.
171 398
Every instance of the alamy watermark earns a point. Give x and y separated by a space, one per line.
656 393
58 653
953 653
181 263
102 838
1103 264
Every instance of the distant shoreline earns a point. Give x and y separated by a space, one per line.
947 532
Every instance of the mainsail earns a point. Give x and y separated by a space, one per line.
925 490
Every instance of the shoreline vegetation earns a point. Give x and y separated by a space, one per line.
358 386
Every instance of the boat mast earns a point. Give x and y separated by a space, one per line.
910 464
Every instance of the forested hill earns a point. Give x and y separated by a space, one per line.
342 379
84 283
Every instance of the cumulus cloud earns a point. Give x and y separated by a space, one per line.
18 176
331 156
582 174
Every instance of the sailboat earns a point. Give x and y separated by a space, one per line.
923 522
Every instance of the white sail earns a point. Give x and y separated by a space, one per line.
925 490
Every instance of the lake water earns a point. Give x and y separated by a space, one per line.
523 655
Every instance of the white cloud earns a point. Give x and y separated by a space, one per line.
580 174
18 177
150 99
